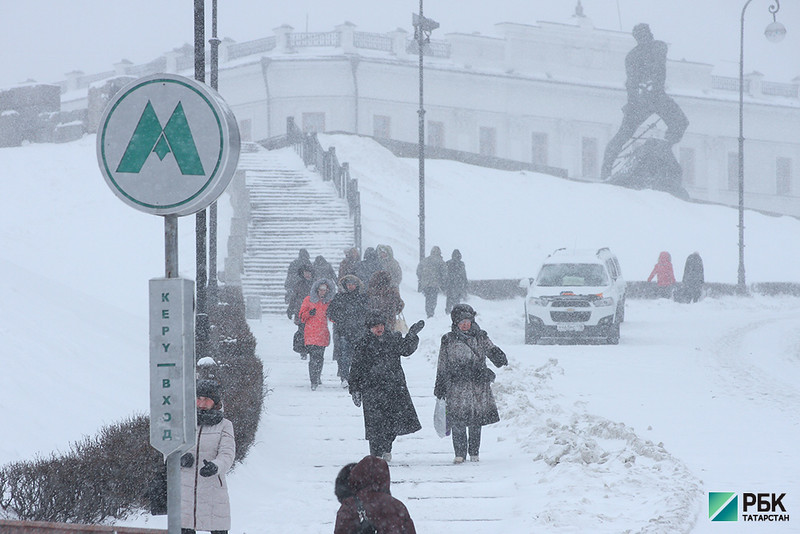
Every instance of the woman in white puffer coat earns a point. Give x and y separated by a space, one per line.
205 504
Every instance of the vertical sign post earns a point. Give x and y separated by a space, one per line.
173 418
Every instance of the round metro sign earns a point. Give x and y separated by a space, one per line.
167 145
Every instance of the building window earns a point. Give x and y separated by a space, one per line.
382 126
539 148
313 122
783 176
733 171
246 130
687 165
487 141
589 159
436 134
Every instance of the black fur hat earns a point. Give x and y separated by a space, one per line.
461 312
209 389
374 318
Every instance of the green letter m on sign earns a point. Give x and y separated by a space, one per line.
723 506
149 137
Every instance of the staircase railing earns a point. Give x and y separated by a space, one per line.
327 164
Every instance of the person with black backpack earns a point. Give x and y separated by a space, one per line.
367 504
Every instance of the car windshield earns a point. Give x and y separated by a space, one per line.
572 275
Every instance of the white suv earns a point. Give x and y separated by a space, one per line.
577 293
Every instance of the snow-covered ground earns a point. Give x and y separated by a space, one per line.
626 438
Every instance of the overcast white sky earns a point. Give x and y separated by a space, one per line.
51 38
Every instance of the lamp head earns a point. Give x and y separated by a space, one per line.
775 32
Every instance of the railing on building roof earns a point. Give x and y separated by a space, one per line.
153 67
237 50
297 40
372 41
781 89
728 83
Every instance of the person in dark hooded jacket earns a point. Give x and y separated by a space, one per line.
323 269
377 380
348 311
349 265
368 266
431 275
370 483
300 290
693 277
455 286
389 264
463 380
293 273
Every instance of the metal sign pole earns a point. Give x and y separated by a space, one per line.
173 459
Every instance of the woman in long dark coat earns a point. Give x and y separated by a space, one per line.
377 380
348 310
455 286
463 379
693 278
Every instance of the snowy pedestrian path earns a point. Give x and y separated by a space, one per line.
306 436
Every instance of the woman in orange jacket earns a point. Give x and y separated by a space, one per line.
314 315
665 277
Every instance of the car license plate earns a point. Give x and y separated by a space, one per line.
570 328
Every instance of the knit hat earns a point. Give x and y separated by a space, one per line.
375 318
209 389
461 312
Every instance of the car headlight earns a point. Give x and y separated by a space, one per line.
607 301
534 301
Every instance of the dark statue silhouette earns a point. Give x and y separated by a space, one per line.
651 164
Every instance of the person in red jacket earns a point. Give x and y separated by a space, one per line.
369 502
664 275
314 315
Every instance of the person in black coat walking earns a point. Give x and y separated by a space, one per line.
348 311
693 277
463 380
300 290
293 273
455 286
377 380
431 275
368 266
323 269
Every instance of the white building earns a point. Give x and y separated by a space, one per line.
547 93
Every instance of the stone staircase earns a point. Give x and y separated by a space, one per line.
290 207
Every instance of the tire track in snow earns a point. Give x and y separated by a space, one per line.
757 373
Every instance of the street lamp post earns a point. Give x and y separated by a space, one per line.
422 35
201 251
212 210
774 33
